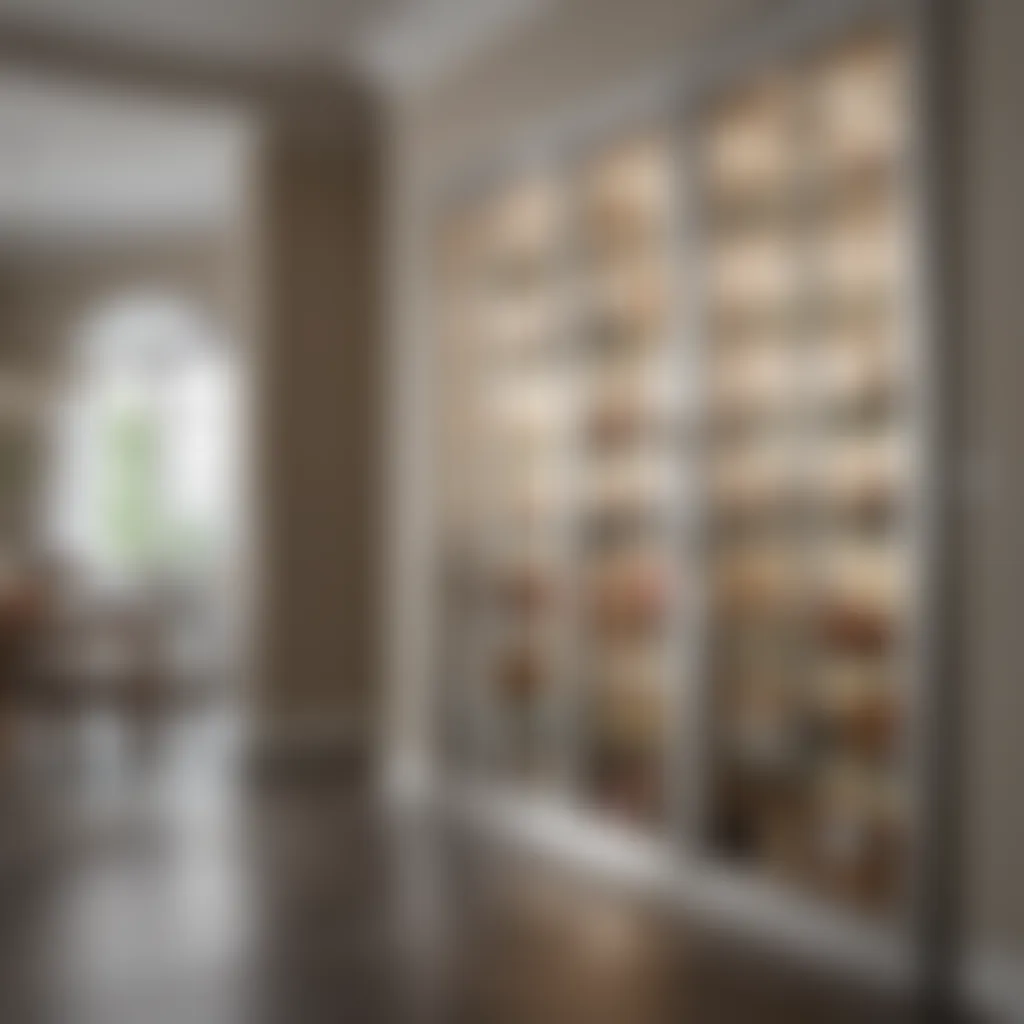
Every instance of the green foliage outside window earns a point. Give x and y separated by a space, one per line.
132 522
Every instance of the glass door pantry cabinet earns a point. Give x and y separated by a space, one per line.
684 438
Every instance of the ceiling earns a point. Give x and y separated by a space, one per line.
393 43
85 161
88 165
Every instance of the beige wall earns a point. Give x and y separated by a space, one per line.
316 433
568 60
994 258
51 289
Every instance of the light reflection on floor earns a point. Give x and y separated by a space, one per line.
168 887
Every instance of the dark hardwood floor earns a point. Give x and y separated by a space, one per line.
184 897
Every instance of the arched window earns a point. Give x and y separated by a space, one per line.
143 483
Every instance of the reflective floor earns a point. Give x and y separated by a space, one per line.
170 890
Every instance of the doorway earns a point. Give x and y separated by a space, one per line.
125 346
